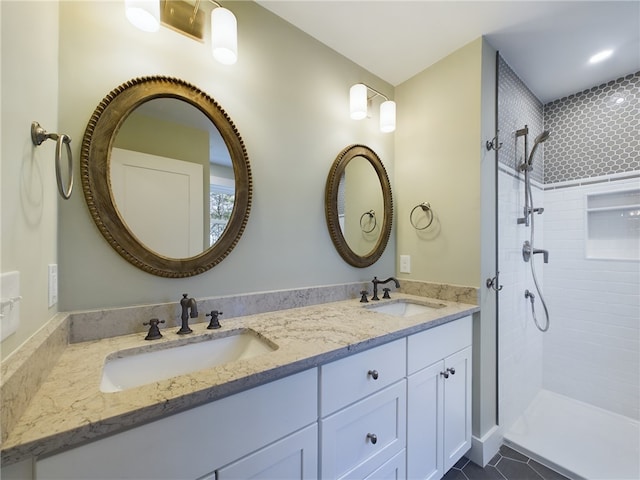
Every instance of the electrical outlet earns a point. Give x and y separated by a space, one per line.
405 263
53 284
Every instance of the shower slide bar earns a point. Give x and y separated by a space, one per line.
528 249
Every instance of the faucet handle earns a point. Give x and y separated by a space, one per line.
214 323
154 331
363 298
386 292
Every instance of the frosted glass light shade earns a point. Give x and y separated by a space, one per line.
358 101
144 14
388 116
224 36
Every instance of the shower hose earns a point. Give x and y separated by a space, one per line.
527 293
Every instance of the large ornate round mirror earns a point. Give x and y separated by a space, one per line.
358 205
166 176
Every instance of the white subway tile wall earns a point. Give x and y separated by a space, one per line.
520 347
592 351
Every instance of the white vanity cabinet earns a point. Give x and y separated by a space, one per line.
439 398
396 411
363 414
266 430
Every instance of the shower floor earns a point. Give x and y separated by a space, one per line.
577 439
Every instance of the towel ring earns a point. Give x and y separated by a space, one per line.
39 135
372 214
425 208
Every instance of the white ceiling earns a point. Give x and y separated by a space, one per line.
547 43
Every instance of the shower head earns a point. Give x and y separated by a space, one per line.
539 139
542 137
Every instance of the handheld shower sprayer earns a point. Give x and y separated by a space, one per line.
539 139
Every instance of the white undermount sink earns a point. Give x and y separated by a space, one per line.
405 309
132 368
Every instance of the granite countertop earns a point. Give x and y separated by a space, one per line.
69 409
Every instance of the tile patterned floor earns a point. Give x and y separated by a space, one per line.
506 465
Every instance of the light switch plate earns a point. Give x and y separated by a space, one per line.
10 304
405 263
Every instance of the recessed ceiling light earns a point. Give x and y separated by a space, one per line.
600 56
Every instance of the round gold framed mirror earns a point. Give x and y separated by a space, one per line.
166 176
359 205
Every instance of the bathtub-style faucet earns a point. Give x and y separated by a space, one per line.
189 309
376 282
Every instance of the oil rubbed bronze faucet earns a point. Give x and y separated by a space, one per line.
189 308
376 282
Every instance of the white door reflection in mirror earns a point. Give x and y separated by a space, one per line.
170 128
161 200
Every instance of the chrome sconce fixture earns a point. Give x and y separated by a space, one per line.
360 99
187 18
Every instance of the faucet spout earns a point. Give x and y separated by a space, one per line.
189 309
376 282
545 254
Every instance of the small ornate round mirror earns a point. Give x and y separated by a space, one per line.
358 205
166 176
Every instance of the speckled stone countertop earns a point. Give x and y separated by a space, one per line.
69 408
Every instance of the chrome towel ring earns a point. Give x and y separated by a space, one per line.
39 135
372 215
426 208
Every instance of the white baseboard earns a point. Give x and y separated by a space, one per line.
485 448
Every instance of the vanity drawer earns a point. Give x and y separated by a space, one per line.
430 346
348 380
348 448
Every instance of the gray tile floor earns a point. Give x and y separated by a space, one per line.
506 465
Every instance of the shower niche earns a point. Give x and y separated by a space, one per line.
613 225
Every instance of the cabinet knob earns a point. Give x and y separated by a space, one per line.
451 370
445 374
374 375
373 437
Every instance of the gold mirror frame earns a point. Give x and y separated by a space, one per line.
95 162
331 205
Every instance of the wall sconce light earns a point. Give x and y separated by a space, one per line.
144 14
360 100
188 19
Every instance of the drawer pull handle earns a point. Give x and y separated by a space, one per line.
373 437
445 374
374 375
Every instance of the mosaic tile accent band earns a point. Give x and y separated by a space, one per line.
517 107
594 132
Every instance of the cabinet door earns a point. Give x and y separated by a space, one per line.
293 458
457 407
425 397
